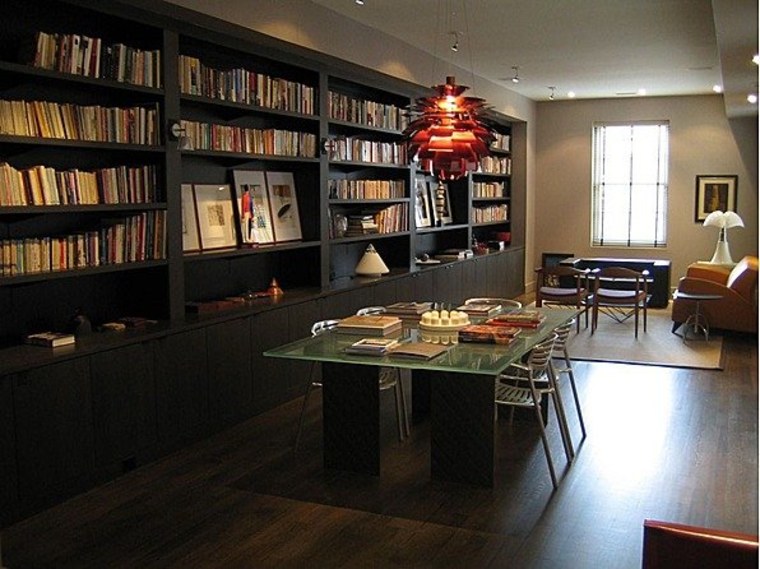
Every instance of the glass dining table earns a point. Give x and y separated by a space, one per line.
461 397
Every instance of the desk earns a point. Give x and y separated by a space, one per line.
461 400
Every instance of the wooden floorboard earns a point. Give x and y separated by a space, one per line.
671 444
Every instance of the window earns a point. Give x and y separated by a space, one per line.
630 184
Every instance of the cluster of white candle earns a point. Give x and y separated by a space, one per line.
444 318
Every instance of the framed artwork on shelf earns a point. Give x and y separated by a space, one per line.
441 210
190 240
254 215
284 206
422 214
213 203
715 192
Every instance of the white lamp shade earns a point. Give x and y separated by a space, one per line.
722 219
371 264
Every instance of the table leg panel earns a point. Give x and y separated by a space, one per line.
462 428
351 415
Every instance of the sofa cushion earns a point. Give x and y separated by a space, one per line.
743 277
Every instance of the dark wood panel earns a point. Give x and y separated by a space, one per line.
124 405
385 293
272 378
8 481
54 431
447 283
229 371
182 406
346 303
474 278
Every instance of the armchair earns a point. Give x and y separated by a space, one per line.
737 310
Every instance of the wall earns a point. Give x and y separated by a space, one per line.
702 141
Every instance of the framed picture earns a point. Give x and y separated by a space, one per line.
441 209
715 193
213 203
423 217
252 204
284 206
190 240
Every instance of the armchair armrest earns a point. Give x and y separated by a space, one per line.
715 273
703 286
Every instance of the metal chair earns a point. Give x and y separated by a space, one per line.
539 379
565 367
505 302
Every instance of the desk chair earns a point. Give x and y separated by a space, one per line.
563 286
620 293
536 373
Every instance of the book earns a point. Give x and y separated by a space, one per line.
408 308
372 346
480 309
520 318
489 334
370 325
50 339
418 350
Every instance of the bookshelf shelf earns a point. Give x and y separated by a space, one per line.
85 271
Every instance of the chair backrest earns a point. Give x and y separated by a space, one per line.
323 326
540 356
563 333
561 276
639 278
505 302
743 277
370 310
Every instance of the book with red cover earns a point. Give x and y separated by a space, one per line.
521 319
486 334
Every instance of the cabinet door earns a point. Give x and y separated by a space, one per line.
347 303
54 431
474 278
181 387
8 482
124 405
384 293
447 283
497 275
229 371
273 381
515 261
418 287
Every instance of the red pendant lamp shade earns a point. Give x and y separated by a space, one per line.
446 135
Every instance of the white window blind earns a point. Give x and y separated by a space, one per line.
630 184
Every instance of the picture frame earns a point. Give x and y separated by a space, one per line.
283 202
190 239
714 192
213 203
423 215
445 218
252 208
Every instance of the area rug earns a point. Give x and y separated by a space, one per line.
614 342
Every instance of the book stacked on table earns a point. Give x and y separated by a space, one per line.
488 334
50 339
410 309
370 325
518 318
372 346
480 309
418 350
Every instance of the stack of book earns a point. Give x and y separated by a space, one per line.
488 334
482 309
408 310
518 318
370 325
361 225
50 339
372 346
418 350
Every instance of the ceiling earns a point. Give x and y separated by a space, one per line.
595 48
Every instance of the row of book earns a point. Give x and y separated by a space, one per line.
277 142
244 86
47 119
352 149
42 185
501 143
496 165
488 190
88 57
486 214
366 189
370 113
134 238
393 218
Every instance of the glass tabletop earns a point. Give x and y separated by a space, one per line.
461 357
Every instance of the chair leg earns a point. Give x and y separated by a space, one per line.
404 407
545 442
305 401
559 410
576 398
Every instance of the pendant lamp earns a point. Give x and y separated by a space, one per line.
446 134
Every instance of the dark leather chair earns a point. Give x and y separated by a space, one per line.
677 546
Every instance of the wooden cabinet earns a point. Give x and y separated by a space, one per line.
124 406
182 387
55 440
229 371
447 284
8 480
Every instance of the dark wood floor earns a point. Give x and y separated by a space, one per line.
664 443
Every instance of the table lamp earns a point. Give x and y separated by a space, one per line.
371 264
723 220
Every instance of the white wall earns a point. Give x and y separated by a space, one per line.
701 142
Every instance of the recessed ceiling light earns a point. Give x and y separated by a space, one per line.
571 94
756 59
718 88
752 98
641 92
359 2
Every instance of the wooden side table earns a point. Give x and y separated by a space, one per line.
696 321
